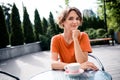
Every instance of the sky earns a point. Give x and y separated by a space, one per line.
45 6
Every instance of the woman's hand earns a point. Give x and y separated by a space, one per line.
75 34
88 65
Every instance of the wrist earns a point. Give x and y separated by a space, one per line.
75 39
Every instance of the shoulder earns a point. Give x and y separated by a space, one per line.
83 34
56 37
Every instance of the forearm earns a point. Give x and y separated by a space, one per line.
79 54
58 65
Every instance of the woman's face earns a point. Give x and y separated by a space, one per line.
72 21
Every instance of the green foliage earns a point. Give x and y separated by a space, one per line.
46 37
17 33
45 25
96 33
92 33
112 12
37 25
101 33
67 2
59 30
52 24
91 22
28 29
4 38
49 32
44 42
111 33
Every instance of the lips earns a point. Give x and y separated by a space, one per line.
74 27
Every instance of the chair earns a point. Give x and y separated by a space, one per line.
7 76
105 75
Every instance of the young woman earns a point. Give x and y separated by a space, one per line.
71 46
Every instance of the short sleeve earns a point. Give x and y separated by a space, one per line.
85 43
54 44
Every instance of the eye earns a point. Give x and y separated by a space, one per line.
70 18
77 18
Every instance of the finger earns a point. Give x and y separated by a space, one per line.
92 66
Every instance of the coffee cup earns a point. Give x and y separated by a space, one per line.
72 67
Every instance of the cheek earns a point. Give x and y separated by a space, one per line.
80 23
66 24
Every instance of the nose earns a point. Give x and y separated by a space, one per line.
74 21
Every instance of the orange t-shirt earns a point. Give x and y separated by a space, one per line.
66 51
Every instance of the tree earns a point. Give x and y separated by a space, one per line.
52 25
59 30
51 30
17 37
45 25
4 38
112 12
37 25
90 20
28 29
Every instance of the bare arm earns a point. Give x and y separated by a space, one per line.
60 65
55 63
79 54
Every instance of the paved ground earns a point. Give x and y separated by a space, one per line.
27 66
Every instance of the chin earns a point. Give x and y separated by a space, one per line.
74 29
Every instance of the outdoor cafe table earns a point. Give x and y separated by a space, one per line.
60 75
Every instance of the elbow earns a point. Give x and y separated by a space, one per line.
52 65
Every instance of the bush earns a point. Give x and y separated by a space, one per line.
101 33
91 33
44 42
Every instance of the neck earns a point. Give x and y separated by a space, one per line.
68 37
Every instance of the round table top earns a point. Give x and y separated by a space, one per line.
60 75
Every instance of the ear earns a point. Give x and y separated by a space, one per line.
63 24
